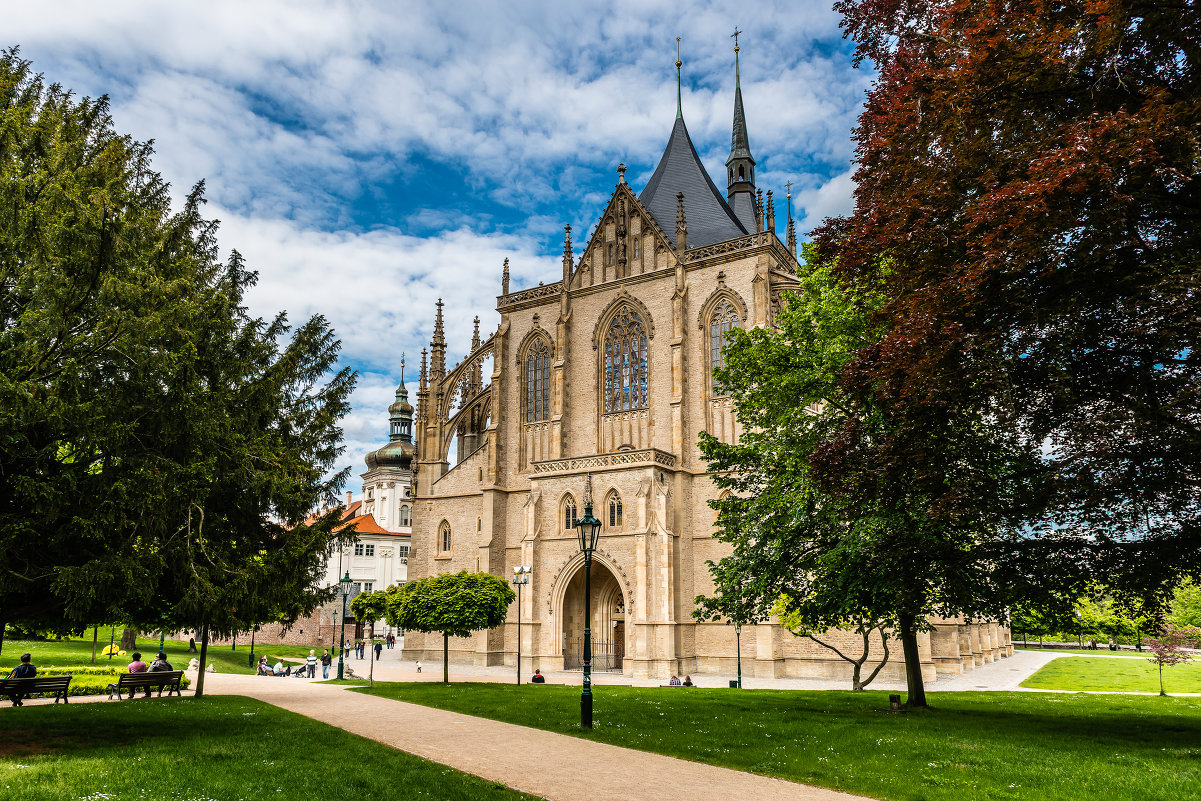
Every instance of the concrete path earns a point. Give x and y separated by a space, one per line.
553 766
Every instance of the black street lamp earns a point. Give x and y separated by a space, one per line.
345 586
738 645
521 577
588 530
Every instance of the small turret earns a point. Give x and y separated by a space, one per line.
438 348
681 225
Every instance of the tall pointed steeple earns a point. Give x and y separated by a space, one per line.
791 242
740 166
438 348
680 170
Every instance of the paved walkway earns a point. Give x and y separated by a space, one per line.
553 766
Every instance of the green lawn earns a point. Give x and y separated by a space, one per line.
79 652
1117 675
968 746
211 748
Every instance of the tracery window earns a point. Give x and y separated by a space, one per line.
444 535
569 514
723 320
625 362
537 382
614 510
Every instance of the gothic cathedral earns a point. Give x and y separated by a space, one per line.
592 391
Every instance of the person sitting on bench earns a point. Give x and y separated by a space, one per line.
138 666
25 670
538 678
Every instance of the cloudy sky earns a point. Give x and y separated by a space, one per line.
369 158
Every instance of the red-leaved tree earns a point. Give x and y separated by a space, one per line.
1172 648
1029 178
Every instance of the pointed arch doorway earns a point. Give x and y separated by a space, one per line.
608 621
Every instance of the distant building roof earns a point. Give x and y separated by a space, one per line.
706 213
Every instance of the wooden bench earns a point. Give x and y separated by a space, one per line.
169 679
38 684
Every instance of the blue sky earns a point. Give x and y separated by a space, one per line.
368 158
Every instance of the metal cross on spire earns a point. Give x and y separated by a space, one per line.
679 90
735 35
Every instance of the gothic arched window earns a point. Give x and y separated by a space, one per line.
569 513
537 382
625 362
723 320
444 540
614 510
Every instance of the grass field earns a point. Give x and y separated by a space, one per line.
208 749
76 652
968 746
1115 675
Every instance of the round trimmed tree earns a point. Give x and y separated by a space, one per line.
454 604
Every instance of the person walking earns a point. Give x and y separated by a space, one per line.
326 661
379 646
311 663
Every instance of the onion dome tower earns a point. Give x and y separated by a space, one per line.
400 450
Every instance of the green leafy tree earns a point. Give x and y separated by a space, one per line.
874 554
368 607
454 604
160 449
1186 606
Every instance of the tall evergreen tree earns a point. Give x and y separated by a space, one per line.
160 449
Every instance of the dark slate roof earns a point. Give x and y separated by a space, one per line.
708 217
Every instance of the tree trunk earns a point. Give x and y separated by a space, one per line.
913 667
445 658
1161 692
129 639
2 625
204 649
95 637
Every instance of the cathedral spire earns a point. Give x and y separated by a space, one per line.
567 255
504 279
423 376
679 89
740 166
438 348
681 225
791 226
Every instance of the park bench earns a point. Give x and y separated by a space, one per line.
38 684
169 679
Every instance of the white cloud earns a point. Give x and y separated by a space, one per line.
508 118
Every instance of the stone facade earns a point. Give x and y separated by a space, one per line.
598 386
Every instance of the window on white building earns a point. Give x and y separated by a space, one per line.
369 549
403 550
358 549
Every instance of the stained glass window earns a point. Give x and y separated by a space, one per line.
625 362
569 515
724 320
614 510
537 382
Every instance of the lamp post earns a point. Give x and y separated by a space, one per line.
344 583
521 577
738 645
588 530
